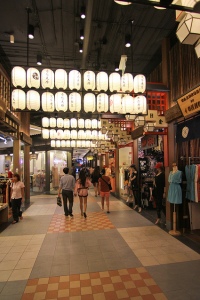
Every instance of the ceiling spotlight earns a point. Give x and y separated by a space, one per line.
116 67
128 41
80 47
122 2
81 34
12 39
39 60
83 12
31 32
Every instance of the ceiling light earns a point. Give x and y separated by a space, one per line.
128 40
12 39
159 7
39 60
81 34
83 12
122 2
80 47
188 31
116 67
31 32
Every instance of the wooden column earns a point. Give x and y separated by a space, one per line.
16 156
69 160
47 171
117 190
27 173
165 61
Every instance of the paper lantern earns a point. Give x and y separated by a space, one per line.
89 102
66 134
102 102
88 134
53 143
81 134
47 79
48 102
127 83
109 134
61 101
81 123
61 79
60 134
78 144
114 82
60 123
188 31
88 144
63 144
102 81
45 122
33 100
68 144
75 102
45 133
139 84
18 99
58 144
18 77
128 104
115 103
88 123
33 78
94 123
73 123
89 80
73 144
52 122
74 80
83 144
94 134
66 123
74 134
99 124
140 105
53 134
139 121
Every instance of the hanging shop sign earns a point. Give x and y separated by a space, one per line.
149 141
190 102
159 121
188 130
173 113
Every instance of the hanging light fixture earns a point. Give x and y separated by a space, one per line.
88 123
139 121
61 101
188 31
102 81
58 144
31 32
128 104
140 105
52 122
68 144
45 133
114 82
89 102
66 134
88 134
75 80
66 123
127 83
60 122
149 127
139 84
81 47
83 15
81 123
94 134
123 2
45 122
115 103
53 143
89 81
75 102
48 102
63 144
61 79
94 123
128 41
60 134
81 134
116 66
33 78
12 38
18 99
18 77
73 123
74 134
82 34
33 100
53 134
102 103
47 79
39 60
73 144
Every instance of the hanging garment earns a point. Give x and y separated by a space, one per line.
175 191
190 176
198 183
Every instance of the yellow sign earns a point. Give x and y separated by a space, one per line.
190 102
153 116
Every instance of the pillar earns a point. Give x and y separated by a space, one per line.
117 190
47 171
16 156
27 173
69 159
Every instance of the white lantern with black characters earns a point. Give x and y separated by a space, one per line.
75 102
127 83
89 80
102 81
33 100
18 77
18 99
102 102
114 82
61 101
139 83
89 102
48 102
61 79
47 79
33 78
74 80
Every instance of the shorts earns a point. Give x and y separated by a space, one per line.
105 194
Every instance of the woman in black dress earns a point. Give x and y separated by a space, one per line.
95 180
135 189
159 191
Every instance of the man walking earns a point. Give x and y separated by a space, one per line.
67 183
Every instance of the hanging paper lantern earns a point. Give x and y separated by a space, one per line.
81 134
48 102
139 121
140 105
78 144
45 133
73 123
102 81
99 124
58 144
61 101
33 78
127 83
128 104
18 99
89 81
61 79
74 134
68 144
114 82
74 80
139 84
102 102
75 102
89 102
60 123
94 123
60 134
47 79
88 123
81 123
115 103
33 100
53 143
66 134
45 122
63 144
53 134
18 77
73 144
52 122
88 134
83 144
66 123
94 134
88 144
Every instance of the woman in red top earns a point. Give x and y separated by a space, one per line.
104 181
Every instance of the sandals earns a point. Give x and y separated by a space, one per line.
14 222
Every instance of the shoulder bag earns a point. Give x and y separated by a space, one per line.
109 184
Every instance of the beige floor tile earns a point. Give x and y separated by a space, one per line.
155 251
39 296
192 255
148 261
121 294
5 249
8 265
52 287
4 275
165 259
144 290
22 274
29 254
135 245
43 280
179 257
21 242
11 256
25 263
63 294
2 255
17 249
74 284
99 296
33 248
142 252
86 290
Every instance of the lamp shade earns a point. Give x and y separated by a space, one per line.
45 133
83 144
88 145
81 134
75 102
48 102
47 79
53 143
81 123
102 102
139 83
114 82
89 80
115 103
88 134
94 134
188 31
74 80
78 144
89 102
58 144
52 122
127 83
33 78
68 144
140 105
66 123
102 81
88 123
73 144
60 134
61 79
94 123
61 101
128 104
33 100
60 123
18 99
139 121
74 134
45 122
73 123
63 144
53 134
18 77
67 134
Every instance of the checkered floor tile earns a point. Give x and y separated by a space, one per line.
126 284
94 221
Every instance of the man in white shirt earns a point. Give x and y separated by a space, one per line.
67 184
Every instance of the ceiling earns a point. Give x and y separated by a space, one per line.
57 25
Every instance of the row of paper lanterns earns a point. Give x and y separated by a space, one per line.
118 103
49 79
73 123
73 134
73 143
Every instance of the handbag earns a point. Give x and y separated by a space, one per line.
109 184
59 202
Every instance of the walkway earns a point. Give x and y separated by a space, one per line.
120 255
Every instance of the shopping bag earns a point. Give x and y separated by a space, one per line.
59 201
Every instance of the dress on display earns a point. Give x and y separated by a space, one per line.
175 191
190 176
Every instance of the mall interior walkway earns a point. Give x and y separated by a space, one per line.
120 255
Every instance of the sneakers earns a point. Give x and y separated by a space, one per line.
135 207
157 222
139 209
71 215
85 216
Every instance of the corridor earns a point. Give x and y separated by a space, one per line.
120 255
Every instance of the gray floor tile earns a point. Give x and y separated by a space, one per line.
14 287
60 270
92 249
2 284
94 257
61 259
97 266
43 259
78 258
40 272
11 297
107 248
179 295
79 269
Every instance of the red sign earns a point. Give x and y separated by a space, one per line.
149 141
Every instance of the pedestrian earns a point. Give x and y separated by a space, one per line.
104 182
130 197
81 187
159 192
95 180
135 188
17 197
67 184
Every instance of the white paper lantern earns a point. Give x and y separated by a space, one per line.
83 144
18 77
75 102
114 82
53 134
88 134
47 79
127 83
140 105
18 99
74 80
68 144
66 123
60 134
188 31
87 144
52 122
61 101
115 103
88 123
73 123
139 84
45 133
74 134
33 78
102 81
89 80
53 143
66 134
60 123
73 144
48 102
45 122
81 123
33 100
94 123
61 79
63 144
102 102
128 104
58 144
99 124
89 102
81 134
94 134
78 144
139 121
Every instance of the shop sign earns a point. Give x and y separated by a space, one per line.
190 102
153 116
137 133
149 141
173 113
34 156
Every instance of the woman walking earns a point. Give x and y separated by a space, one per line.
17 197
81 187
95 180
159 191
104 182
135 188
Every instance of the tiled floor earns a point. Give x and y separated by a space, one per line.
120 255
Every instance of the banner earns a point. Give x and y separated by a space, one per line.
188 130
